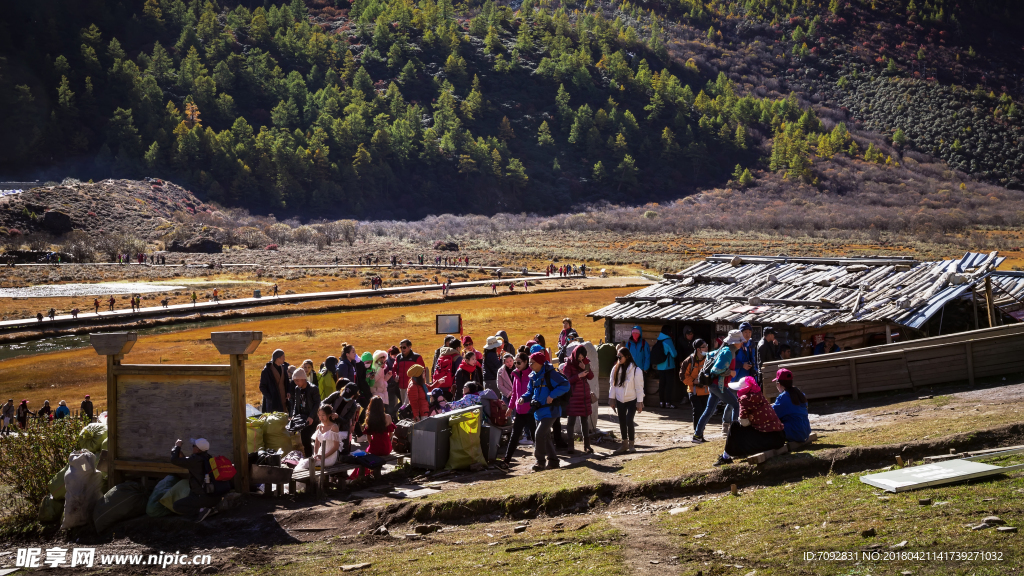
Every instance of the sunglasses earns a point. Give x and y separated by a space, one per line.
622 357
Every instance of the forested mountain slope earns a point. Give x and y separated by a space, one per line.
395 108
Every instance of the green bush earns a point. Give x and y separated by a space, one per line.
29 460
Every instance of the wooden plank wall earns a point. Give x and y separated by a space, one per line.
947 359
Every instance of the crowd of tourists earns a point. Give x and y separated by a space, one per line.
11 415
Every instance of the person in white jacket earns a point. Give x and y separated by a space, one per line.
626 397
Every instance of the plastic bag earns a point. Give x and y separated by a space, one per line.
51 509
254 434
154 509
274 434
57 484
91 437
464 449
177 492
83 483
124 501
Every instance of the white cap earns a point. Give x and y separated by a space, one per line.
734 337
202 443
299 374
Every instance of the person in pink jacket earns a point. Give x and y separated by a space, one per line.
577 370
523 416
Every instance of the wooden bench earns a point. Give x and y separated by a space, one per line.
316 480
789 447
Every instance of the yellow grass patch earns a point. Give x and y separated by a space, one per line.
71 374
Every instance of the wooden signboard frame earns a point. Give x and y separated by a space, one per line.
237 345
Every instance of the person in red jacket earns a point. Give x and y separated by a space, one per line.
577 370
405 360
418 392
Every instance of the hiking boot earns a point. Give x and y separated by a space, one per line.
205 513
632 447
571 448
621 449
587 449
538 467
698 439
723 460
554 465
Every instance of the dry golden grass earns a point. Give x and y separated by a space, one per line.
71 374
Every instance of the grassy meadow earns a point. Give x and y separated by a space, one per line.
71 374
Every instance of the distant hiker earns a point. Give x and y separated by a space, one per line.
74 313
45 413
51 314
96 305
61 411
275 289
87 408
111 302
39 316
6 416
164 302
23 414
196 297
216 297
494 287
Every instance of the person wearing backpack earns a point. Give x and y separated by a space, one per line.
523 415
444 371
663 359
689 370
546 385
626 397
717 373
201 500
639 350
468 371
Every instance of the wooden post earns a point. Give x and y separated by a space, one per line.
969 353
853 377
988 302
114 346
974 304
238 346
888 334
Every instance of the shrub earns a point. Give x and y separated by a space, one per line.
29 460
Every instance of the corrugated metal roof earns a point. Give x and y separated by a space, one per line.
805 291
1010 284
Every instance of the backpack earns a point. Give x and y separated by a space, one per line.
560 402
499 413
405 412
658 354
216 487
704 378
222 468
444 370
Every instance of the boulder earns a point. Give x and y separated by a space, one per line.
446 246
57 222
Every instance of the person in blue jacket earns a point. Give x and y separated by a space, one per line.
667 368
791 407
746 356
545 385
721 375
828 346
640 349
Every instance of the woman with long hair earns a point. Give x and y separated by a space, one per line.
523 415
626 397
376 424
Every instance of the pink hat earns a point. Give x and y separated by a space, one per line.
746 386
783 374
538 357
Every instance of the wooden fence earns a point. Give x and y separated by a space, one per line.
961 357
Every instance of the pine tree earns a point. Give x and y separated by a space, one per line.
496 162
361 161
515 173
599 173
899 138
669 147
408 74
363 83
152 15
466 164
474 102
505 131
741 137
564 111
620 146
825 147
492 44
737 172
746 179
544 137
627 171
